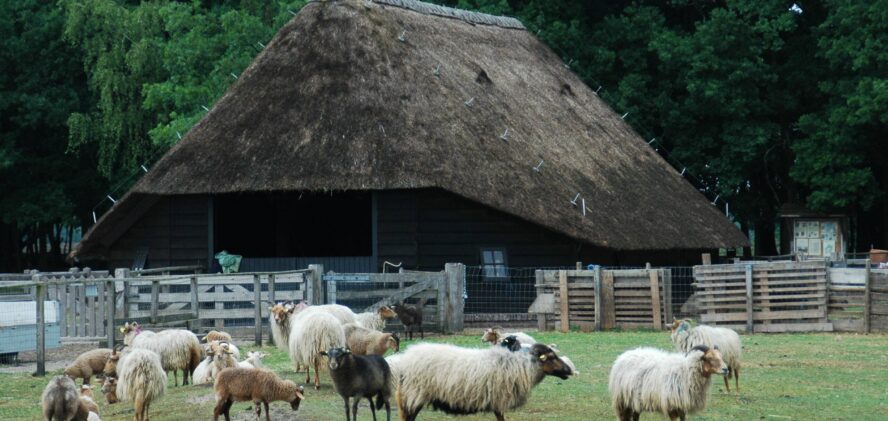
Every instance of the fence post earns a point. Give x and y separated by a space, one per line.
655 297
456 280
579 265
39 297
867 300
707 259
155 298
565 297
608 307
122 273
110 290
749 326
316 284
257 293
542 322
271 288
195 304
331 292
598 299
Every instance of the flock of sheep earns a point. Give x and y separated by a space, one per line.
452 379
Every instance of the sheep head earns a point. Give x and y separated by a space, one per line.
297 395
511 343
679 326
109 388
338 357
280 312
111 364
711 361
491 335
393 341
551 364
386 313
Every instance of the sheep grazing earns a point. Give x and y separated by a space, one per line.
375 319
142 380
86 399
60 399
466 381
178 349
673 384
253 360
495 335
215 335
411 316
363 341
255 385
312 333
359 377
728 342
109 388
110 369
88 364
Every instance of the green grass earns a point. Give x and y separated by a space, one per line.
785 376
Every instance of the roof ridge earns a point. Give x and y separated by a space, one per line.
449 12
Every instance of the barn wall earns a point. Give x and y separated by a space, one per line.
174 230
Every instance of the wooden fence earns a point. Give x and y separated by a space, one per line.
603 299
846 292
876 300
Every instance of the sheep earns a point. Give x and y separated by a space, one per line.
222 358
178 349
363 341
109 388
494 336
88 364
375 319
201 374
253 360
360 376
232 349
673 384
411 315
214 335
60 400
465 381
511 343
86 399
142 380
256 385
314 332
728 342
110 369
340 312
279 319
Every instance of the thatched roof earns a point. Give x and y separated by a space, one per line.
357 95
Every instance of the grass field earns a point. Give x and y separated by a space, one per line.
785 377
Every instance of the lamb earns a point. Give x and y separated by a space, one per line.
178 349
60 400
142 380
360 377
363 341
214 335
109 388
494 336
728 342
253 360
673 384
201 374
86 399
465 381
88 364
375 319
256 385
411 315
314 332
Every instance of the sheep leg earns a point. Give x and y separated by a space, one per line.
267 414
421 331
347 409
175 378
317 374
355 408
737 379
388 411
725 378
372 409
258 410
184 376
499 416
138 405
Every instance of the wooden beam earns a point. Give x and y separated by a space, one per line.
257 306
541 317
707 259
749 321
655 298
155 302
565 313
39 300
608 308
195 302
599 308
867 299
110 289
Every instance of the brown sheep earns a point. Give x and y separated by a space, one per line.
86 400
363 341
109 388
110 368
88 364
214 335
411 315
255 385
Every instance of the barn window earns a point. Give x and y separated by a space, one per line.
493 262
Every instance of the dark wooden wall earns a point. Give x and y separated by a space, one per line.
175 230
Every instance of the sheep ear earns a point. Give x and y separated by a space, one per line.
299 394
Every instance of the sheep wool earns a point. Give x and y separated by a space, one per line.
728 342
364 341
201 374
672 384
178 349
88 364
465 380
253 360
141 380
375 319
60 399
279 320
312 333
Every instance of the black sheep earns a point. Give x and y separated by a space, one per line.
360 376
411 315
511 343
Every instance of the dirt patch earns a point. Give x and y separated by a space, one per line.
56 358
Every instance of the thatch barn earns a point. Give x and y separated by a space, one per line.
405 132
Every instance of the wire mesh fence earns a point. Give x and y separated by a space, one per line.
500 289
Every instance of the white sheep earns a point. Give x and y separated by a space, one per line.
222 358
232 348
465 380
375 319
310 334
495 336
60 399
253 360
141 379
201 374
673 384
178 349
364 341
728 342
279 318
